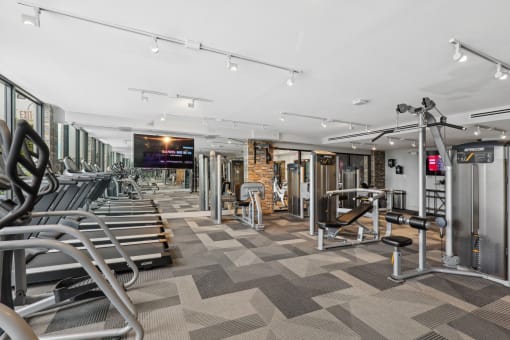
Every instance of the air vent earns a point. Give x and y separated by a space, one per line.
373 132
489 113
125 128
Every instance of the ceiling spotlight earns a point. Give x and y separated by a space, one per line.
282 117
413 143
163 118
324 123
155 46
32 20
353 146
458 55
350 126
391 141
477 131
500 73
290 81
191 104
503 134
367 129
144 97
229 141
230 65
374 147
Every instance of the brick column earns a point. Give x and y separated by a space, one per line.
378 169
260 171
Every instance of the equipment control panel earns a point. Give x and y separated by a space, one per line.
474 155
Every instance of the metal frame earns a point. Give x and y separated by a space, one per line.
113 294
427 120
343 242
14 325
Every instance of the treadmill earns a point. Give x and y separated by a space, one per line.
147 245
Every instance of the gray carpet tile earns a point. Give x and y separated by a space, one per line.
219 236
439 315
356 324
479 328
432 336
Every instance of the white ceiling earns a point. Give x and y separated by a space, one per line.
389 52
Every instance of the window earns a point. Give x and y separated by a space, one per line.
26 109
2 102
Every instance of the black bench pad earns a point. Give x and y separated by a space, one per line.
347 218
397 241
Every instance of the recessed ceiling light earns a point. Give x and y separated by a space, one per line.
360 101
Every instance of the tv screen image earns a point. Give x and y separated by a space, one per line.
435 165
151 151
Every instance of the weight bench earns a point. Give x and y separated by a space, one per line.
344 220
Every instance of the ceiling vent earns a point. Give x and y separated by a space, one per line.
488 113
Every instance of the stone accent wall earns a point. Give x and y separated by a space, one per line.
378 169
260 171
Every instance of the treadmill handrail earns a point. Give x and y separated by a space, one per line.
93 272
14 325
99 260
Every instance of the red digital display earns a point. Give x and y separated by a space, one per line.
435 166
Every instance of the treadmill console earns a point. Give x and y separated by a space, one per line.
474 155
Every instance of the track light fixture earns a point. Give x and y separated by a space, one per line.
324 123
354 147
32 20
290 81
502 68
350 126
500 73
503 135
191 104
458 56
231 65
391 141
374 147
155 46
144 97
282 117
477 131
163 117
413 143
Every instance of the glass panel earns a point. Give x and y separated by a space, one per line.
84 143
305 160
72 144
2 102
25 109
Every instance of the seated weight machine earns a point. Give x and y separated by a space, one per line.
331 229
250 196
470 187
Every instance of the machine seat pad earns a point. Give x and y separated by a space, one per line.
397 241
354 214
243 203
327 225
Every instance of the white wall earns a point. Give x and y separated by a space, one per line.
409 180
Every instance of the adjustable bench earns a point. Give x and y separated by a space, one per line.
344 220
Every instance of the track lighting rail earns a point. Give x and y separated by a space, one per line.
161 37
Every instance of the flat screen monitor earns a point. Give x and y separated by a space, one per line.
435 165
150 151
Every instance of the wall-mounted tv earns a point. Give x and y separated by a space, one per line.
435 165
150 151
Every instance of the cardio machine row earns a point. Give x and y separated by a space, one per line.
22 230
